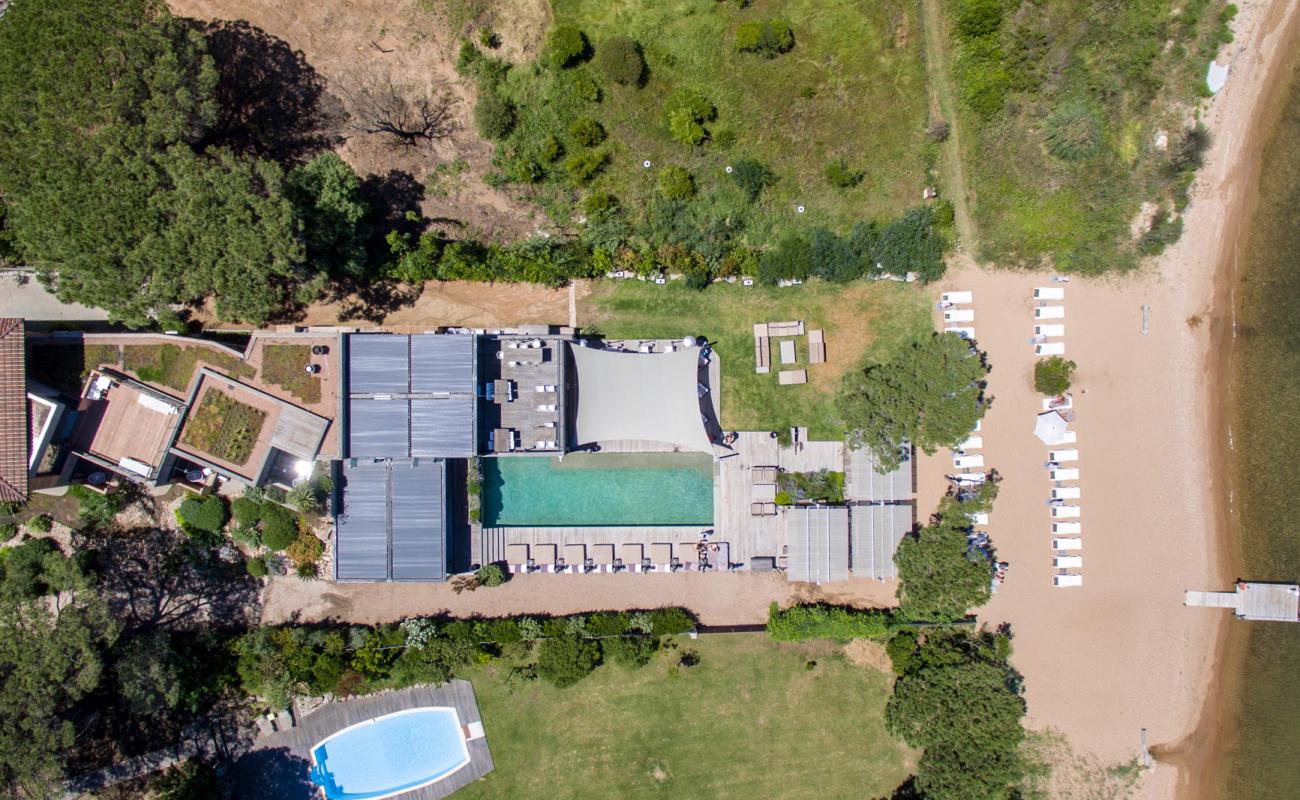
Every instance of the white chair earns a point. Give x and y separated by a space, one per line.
1062 456
1065 493
959 315
1049 312
957 297
1068 579
1049 293
1049 349
1067 544
1065 512
1068 528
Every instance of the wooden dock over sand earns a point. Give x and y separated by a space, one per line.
1253 600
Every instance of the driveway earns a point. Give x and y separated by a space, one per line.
28 299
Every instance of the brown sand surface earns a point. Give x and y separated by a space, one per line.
718 599
1121 653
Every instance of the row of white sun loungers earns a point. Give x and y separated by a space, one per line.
953 317
1066 528
698 555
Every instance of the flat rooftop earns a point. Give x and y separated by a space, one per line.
391 521
125 423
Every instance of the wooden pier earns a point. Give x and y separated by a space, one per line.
1253 600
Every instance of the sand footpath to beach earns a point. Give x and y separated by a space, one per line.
1122 653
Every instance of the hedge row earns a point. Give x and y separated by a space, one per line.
822 621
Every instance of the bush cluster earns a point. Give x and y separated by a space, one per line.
981 68
751 176
206 513
839 175
279 528
769 38
566 46
910 243
676 183
1052 375
822 621
587 132
622 61
494 115
1073 132
686 111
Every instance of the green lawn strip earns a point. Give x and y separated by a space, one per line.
853 88
877 318
285 366
750 717
223 427
174 366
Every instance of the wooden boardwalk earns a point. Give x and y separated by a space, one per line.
1253 600
297 742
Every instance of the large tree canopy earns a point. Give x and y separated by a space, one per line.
940 578
960 701
931 395
100 106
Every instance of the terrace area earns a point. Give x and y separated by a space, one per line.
522 394
125 425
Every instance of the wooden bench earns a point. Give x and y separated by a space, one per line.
816 347
788 377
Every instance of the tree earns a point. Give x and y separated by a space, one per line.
407 116
910 244
565 660
752 177
147 674
939 577
494 115
50 657
686 111
959 700
565 46
206 513
327 195
676 183
1052 376
587 132
931 395
279 529
769 38
193 780
620 58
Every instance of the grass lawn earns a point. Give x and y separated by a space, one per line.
852 89
66 366
223 427
285 366
749 721
174 366
863 321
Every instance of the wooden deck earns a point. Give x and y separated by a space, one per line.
333 717
1252 600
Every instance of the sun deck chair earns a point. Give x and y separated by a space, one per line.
575 557
968 462
1065 512
1063 456
1069 437
1049 293
1067 562
602 557
544 557
1069 528
957 297
1049 312
1066 474
632 556
972 443
967 333
661 556
1050 349
1067 544
1065 493
1068 579
979 518
1051 329
517 557
959 315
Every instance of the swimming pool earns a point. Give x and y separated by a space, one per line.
598 489
389 755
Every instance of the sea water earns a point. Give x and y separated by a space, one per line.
1261 758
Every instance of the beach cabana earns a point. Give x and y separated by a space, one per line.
1051 428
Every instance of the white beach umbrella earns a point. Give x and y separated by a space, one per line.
1051 427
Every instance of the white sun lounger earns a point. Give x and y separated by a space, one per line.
1049 293
1069 528
1050 329
1049 312
979 423
968 462
1065 512
1062 456
980 518
1067 543
1065 493
1066 474
1067 562
973 443
1068 579
959 315
1049 349
957 297
963 332
969 478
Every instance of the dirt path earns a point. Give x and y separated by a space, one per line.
943 105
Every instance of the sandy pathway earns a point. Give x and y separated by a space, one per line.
1121 653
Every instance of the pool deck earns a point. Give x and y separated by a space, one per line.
339 714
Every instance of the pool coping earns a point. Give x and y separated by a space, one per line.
460 727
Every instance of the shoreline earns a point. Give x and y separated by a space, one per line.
1202 755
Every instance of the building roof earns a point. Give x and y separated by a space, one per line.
864 482
817 538
876 532
13 412
410 396
392 522
639 396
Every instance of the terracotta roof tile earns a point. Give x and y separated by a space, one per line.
13 412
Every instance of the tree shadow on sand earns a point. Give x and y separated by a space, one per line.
273 104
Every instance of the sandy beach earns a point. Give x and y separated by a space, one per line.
1121 654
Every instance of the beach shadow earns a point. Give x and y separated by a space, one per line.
272 103
271 774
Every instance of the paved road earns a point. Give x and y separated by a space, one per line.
30 300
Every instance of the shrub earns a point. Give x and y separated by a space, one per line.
669 621
976 18
822 621
833 258
249 536
494 116
769 38
686 111
585 88
1052 375
22 568
724 138
256 567
789 260
566 46
1073 132
489 38
583 166
901 648
307 570
41 523
306 549
599 203
279 529
550 149
246 511
631 651
1165 230
587 132
206 513
840 176
676 183
621 60
982 76
751 176
565 660
97 509
490 575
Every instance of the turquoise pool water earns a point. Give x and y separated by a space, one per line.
598 489
390 754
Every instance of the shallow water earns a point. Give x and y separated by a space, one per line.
1262 759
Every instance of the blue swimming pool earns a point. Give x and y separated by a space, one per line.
390 754
598 489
